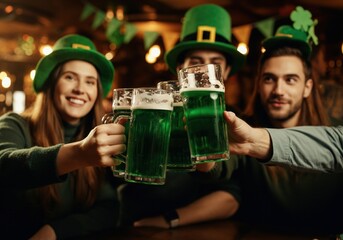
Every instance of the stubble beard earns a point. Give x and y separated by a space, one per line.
284 117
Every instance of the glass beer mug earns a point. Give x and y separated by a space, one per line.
203 95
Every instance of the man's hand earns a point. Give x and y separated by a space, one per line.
246 140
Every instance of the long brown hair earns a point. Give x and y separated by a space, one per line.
46 128
312 110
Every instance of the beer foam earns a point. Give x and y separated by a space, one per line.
210 89
166 107
158 102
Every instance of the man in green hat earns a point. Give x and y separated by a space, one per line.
286 95
206 38
186 199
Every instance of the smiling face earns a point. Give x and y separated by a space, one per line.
76 90
282 88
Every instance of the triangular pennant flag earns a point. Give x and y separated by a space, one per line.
116 37
87 11
266 27
113 26
149 39
98 19
130 31
170 39
242 33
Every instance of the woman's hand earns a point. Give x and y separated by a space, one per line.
102 143
44 233
96 149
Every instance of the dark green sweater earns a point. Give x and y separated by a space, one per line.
24 167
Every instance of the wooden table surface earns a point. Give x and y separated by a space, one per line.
218 230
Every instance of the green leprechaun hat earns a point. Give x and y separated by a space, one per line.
300 35
206 26
74 47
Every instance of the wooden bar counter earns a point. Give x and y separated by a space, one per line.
217 230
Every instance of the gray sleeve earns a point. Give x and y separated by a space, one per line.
308 147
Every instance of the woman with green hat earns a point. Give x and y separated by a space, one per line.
51 156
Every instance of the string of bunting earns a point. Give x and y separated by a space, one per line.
121 31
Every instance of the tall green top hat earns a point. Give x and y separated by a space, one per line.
74 47
206 26
299 36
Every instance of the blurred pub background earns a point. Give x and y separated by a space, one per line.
135 34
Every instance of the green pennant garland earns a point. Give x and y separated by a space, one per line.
113 26
266 27
130 31
116 37
98 19
87 11
149 39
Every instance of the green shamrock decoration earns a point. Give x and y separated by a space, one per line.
302 20
311 34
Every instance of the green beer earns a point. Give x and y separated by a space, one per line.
179 157
149 134
206 126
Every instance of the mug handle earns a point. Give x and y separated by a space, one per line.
120 119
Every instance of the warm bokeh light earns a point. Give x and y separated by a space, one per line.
9 9
150 59
263 49
3 75
6 82
32 74
45 50
109 56
109 14
18 101
155 51
342 47
120 13
242 48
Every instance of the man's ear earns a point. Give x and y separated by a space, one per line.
308 88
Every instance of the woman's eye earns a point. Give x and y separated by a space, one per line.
90 82
69 76
268 79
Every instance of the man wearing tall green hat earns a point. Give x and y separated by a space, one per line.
188 198
286 95
206 38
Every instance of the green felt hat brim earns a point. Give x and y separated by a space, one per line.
237 59
48 63
277 42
